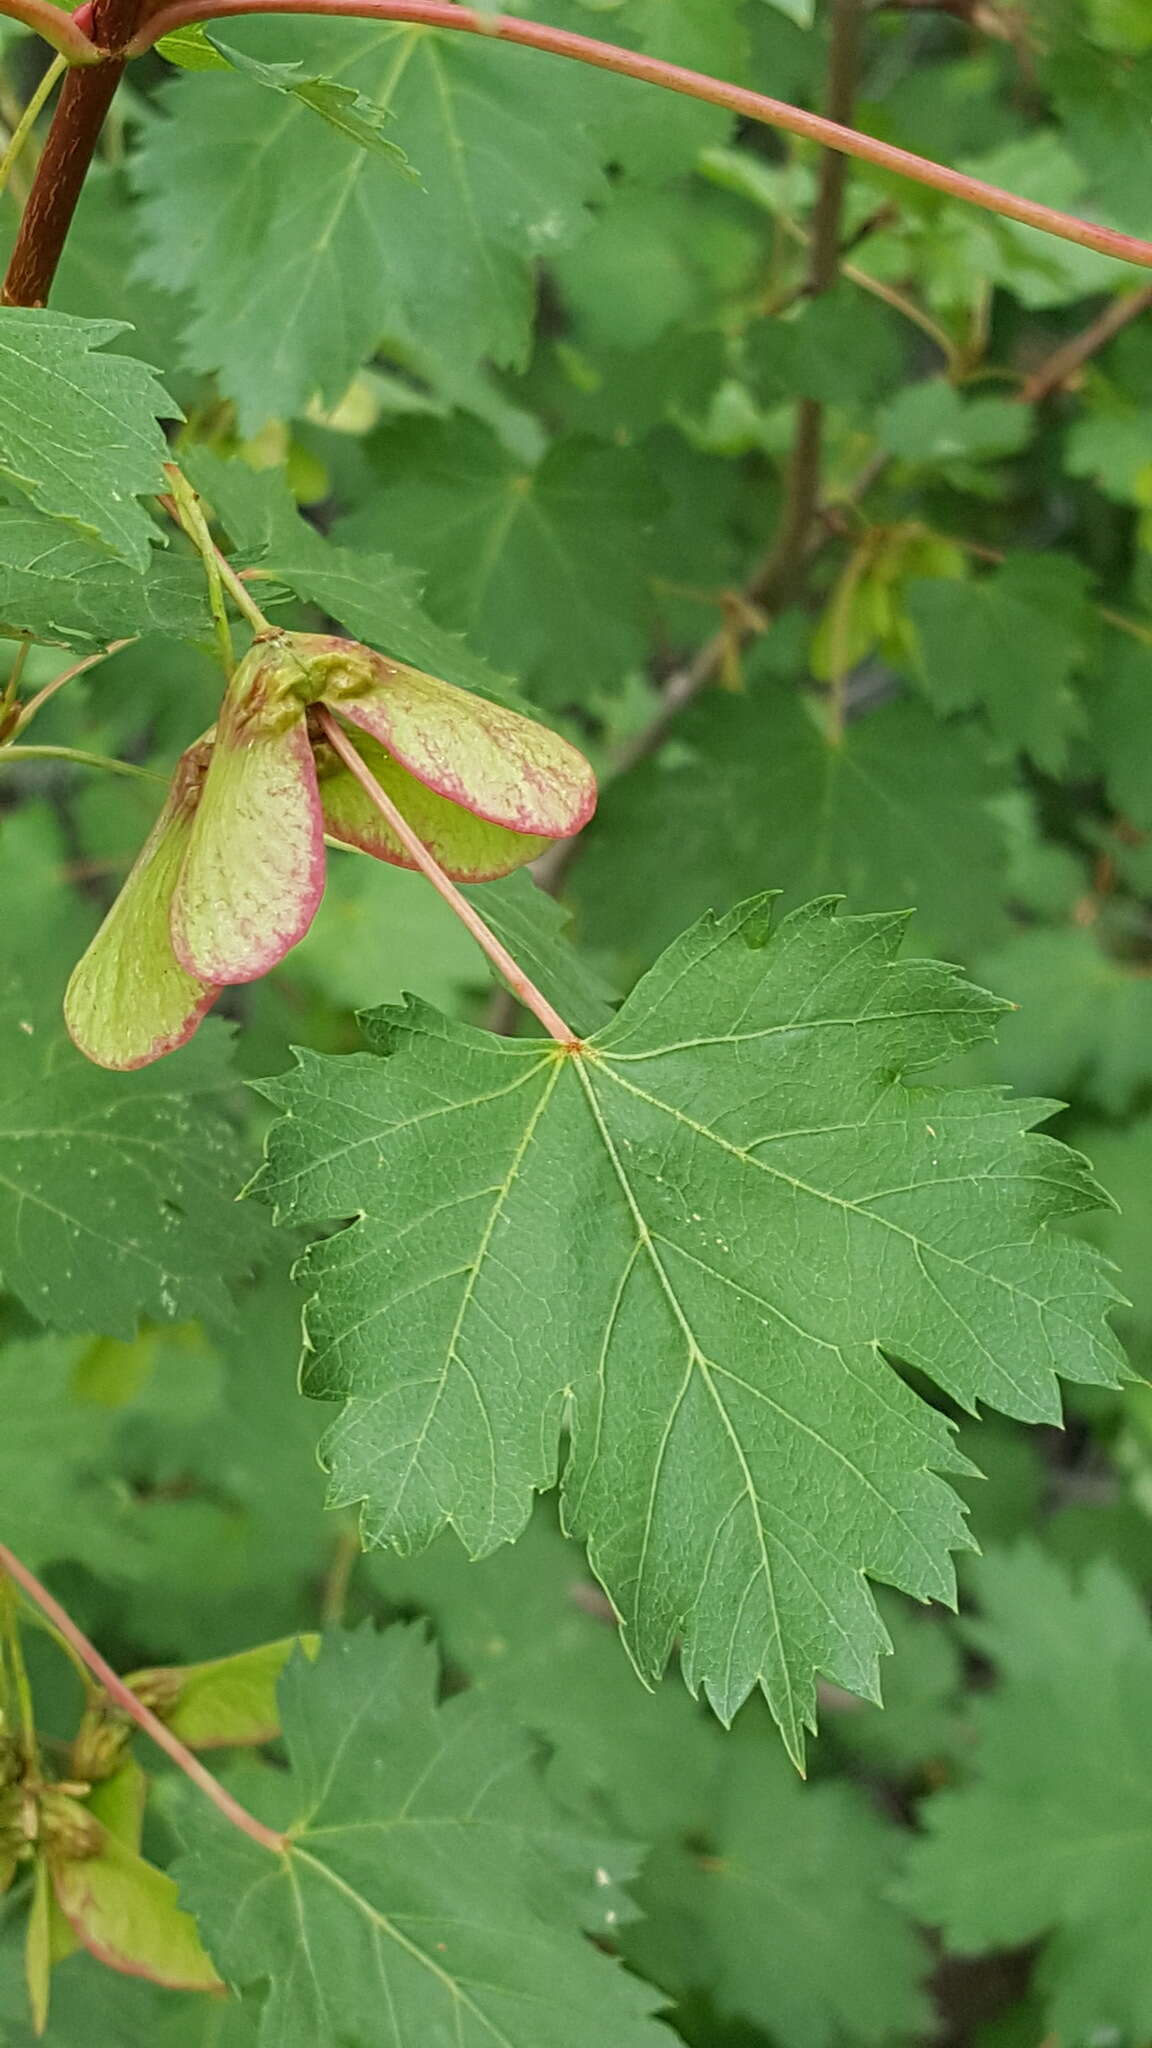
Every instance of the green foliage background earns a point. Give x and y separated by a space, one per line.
524 419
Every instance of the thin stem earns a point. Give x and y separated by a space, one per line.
85 97
338 1578
28 711
185 508
27 121
56 27
1064 362
499 955
19 662
908 308
77 754
14 1660
143 1716
751 106
787 563
190 513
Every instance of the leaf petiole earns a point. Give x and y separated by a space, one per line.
501 958
27 121
79 755
127 1701
184 506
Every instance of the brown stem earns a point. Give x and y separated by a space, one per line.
686 684
127 1701
501 958
717 92
85 97
786 567
1064 362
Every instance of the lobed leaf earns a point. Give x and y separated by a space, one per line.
79 432
429 1891
697 1239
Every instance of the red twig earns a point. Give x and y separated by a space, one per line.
143 1716
753 106
56 27
499 955
85 97
1064 362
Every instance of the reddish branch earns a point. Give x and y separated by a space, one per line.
785 568
1064 362
752 106
85 97
102 34
129 1704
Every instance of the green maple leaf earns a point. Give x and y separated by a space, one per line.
932 424
116 1190
487 526
786 1918
1121 727
55 1496
314 252
897 812
78 429
1052 1836
58 587
429 1888
342 106
1085 1018
520 1626
694 1239
1010 644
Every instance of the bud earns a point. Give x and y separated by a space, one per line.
129 999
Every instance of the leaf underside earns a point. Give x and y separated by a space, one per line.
699 1243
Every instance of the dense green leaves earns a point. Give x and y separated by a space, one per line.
487 527
896 812
742 1267
429 1889
58 587
735 1185
117 1192
787 1911
331 250
1053 1836
79 437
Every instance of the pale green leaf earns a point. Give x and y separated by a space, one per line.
1085 1017
342 106
1009 644
315 252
